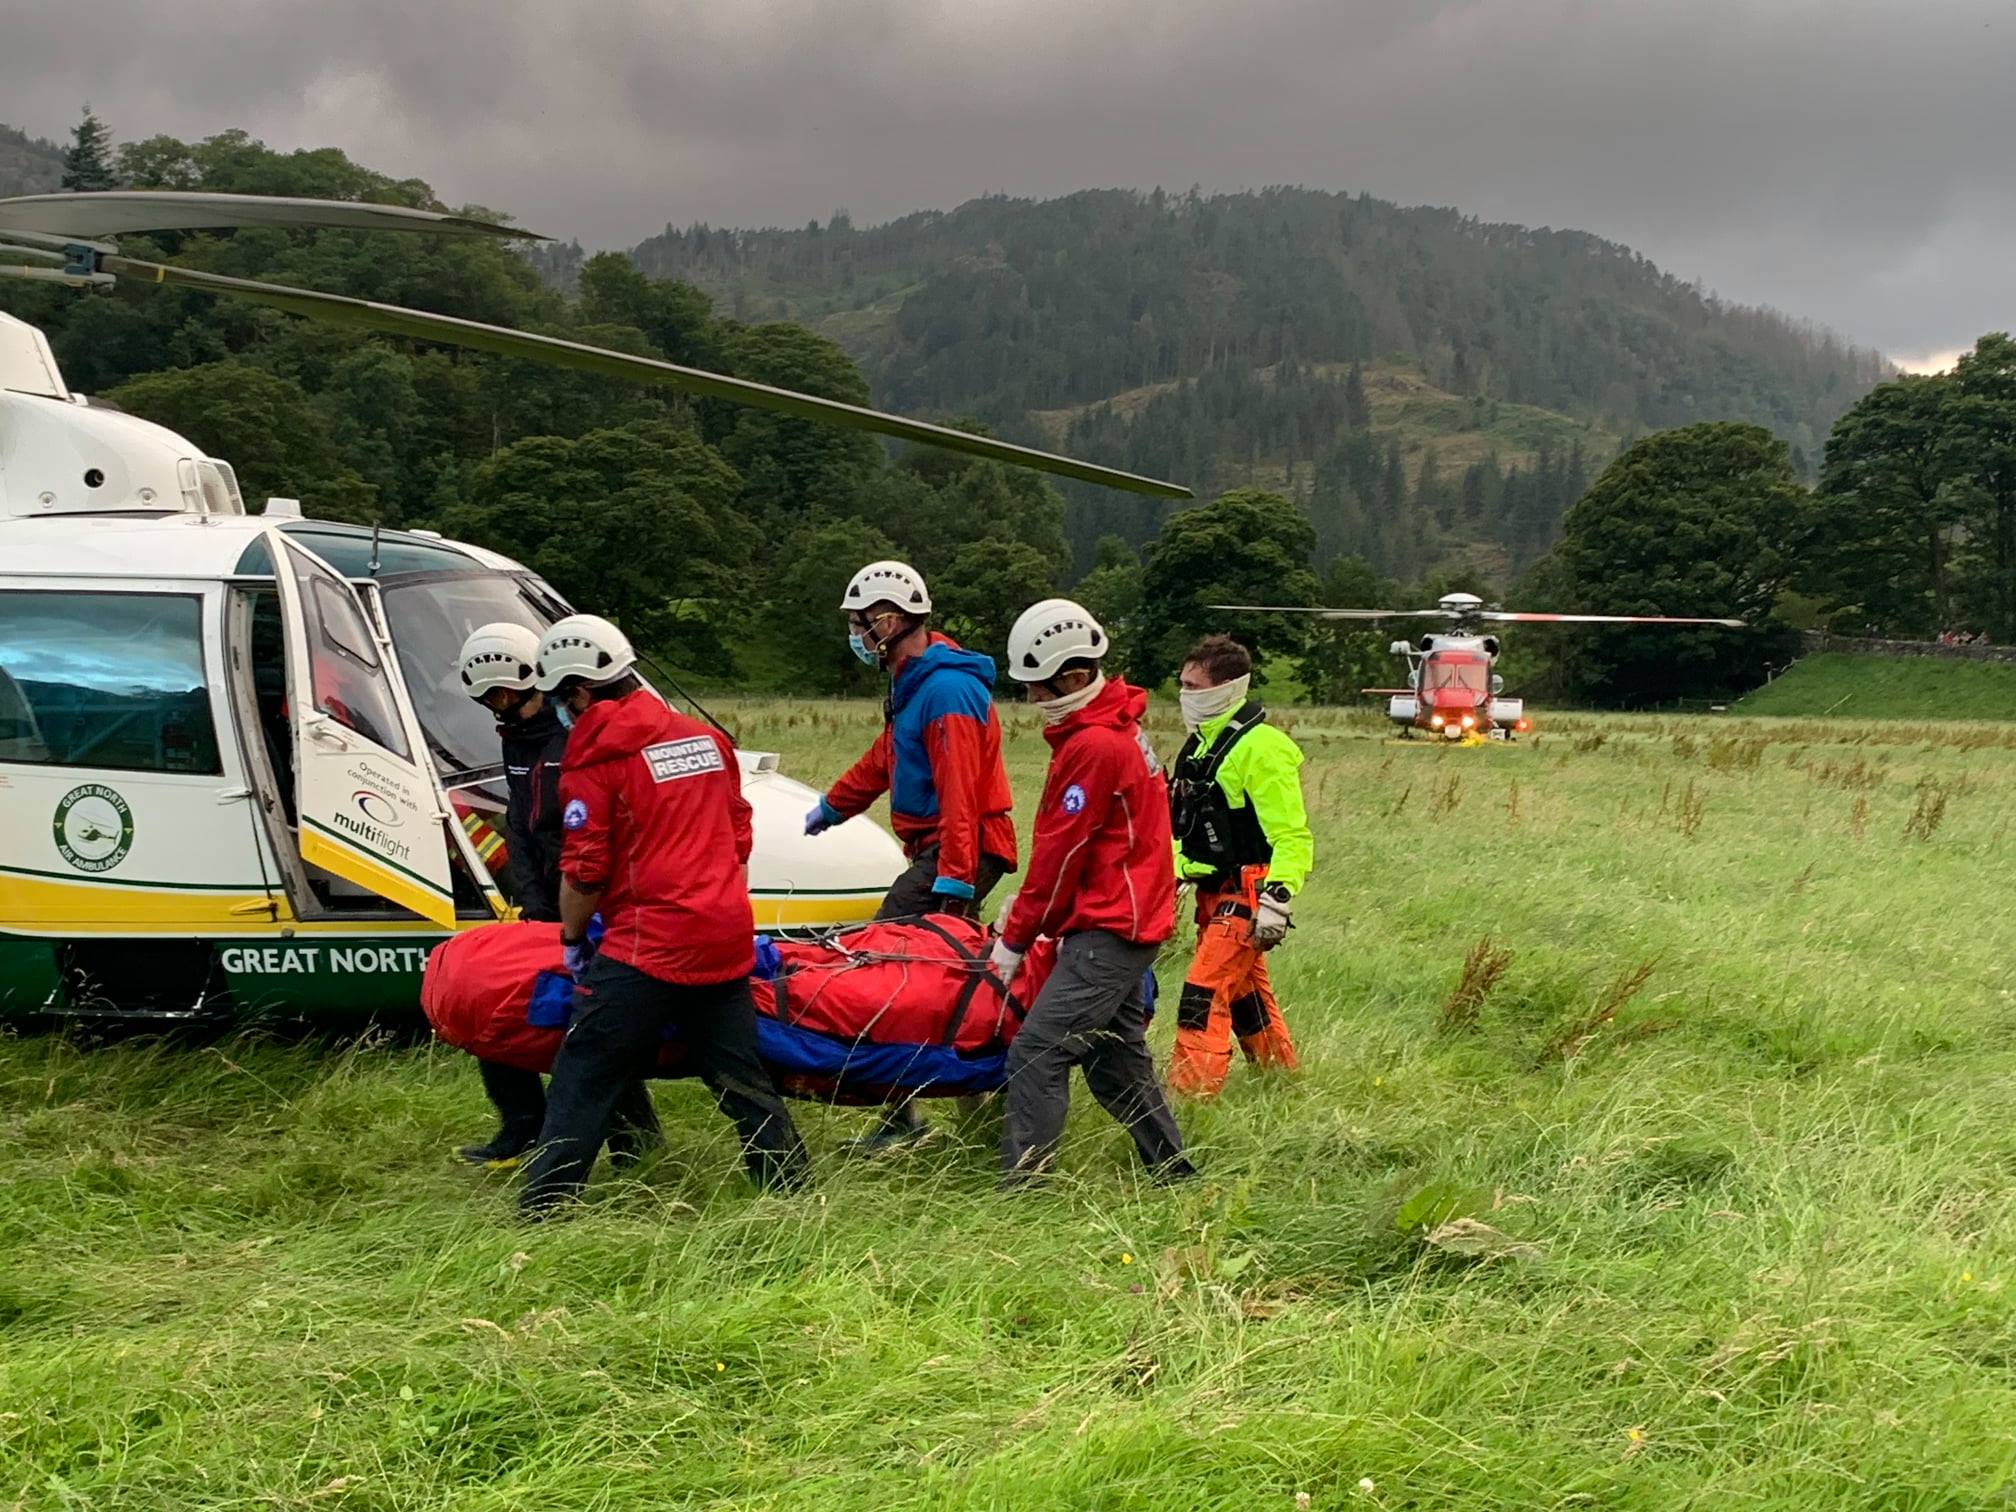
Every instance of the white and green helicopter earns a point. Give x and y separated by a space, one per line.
238 774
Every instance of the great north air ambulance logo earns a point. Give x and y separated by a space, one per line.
94 828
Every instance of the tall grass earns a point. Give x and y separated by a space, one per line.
1734 1232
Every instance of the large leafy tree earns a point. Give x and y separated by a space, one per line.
1244 547
811 571
263 425
1980 451
1703 520
790 466
1882 541
638 523
1341 656
985 586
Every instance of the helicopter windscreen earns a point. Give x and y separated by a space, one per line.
429 622
1470 675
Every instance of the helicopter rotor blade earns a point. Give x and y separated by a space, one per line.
10 252
1608 619
1336 614
554 351
117 212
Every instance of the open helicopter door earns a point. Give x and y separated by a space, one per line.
367 807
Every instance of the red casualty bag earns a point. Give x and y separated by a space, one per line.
884 1010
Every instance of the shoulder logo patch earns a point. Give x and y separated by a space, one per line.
1074 799
675 759
574 815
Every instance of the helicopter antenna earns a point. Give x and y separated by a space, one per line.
677 687
374 547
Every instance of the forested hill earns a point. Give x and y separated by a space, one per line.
1101 320
28 165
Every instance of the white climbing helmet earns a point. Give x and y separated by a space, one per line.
895 583
586 646
502 655
1050 634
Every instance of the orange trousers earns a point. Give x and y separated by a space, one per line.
1226 993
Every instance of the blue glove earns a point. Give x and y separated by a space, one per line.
822 817
578 954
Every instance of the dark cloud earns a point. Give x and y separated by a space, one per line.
1845 160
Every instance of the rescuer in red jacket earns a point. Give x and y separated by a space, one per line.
1100 880
656 837
938 758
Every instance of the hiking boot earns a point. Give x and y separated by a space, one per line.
900 1125
505 1148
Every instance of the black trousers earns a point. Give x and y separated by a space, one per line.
1089 1014
620 1014
518 1095
520 1099
910 894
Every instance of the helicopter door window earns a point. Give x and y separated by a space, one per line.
107 680
348 681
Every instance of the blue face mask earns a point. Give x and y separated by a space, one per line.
565 714
860 648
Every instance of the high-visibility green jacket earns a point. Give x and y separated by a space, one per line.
1265 769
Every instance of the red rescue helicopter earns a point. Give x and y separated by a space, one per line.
1452 693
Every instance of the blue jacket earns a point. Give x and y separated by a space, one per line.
939 760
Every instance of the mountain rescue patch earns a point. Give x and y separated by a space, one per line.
1074 799
674 759
574 815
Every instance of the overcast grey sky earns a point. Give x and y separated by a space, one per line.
1849 161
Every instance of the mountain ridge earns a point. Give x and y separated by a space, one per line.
1211 339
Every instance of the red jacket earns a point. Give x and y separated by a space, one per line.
1102 856
939 759
652 813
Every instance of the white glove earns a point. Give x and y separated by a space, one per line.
578 954
1004 961
1273 917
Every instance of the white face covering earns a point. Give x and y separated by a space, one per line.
1201 705
1054 709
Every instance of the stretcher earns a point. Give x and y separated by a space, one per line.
883 1012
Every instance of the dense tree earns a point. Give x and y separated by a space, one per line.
978 594
1980 455
1704 520
790 466
635 523
1244 547
88 164
1340 657
1112 591
263 425
1882 539
811 572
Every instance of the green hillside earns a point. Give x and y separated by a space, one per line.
28 165
1211 339
1848 686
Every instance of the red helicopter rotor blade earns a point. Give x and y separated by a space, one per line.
1610 619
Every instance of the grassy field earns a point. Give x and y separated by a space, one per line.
1845 686
1700 1196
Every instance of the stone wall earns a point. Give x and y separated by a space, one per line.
1813 642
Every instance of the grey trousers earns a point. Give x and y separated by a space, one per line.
1089 1014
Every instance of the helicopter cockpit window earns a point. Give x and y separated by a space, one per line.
350 684
1472 676
111 680
429 621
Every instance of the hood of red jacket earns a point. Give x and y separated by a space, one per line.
1119 704
610 731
